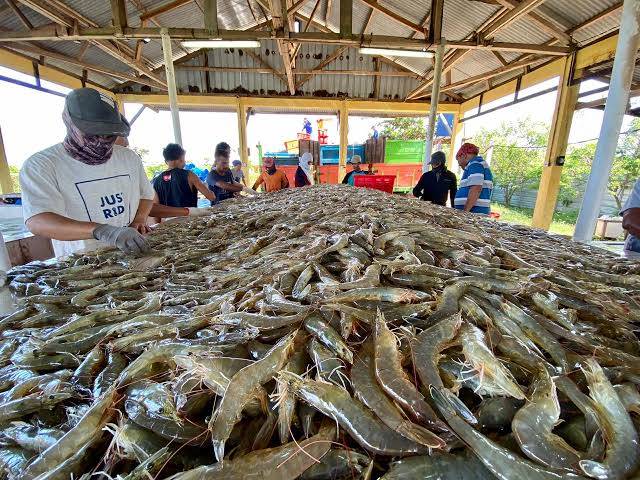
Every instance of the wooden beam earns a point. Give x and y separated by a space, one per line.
365 28
513 47
486 76
167 7
605 13
451 62
327 13
112 50
291 11
523 8
435 21
500 58
376 79
211 16
267 65
286 59
21 16
6 185
557 147
119 14
395 16
336 53
73 61
346 18
542 22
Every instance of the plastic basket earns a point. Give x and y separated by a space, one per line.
377 182
304 136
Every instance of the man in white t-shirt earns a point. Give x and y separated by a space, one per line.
86 191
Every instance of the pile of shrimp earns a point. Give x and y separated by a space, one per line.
325 332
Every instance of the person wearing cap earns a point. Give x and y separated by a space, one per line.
176 189
355 163
438 183
304 177
476 185
238 174
220 178
87 191
272 178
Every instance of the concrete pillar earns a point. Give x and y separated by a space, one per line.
6 185
433 113
617 101
344 140
171 85
556 148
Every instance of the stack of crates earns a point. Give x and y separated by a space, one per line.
330 154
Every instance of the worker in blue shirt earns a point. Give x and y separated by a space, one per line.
476 185
631 223
306 128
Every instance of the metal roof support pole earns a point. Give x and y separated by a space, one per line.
566 101
171 85
344 140
617 101
433 113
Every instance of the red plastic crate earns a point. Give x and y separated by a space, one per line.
377 182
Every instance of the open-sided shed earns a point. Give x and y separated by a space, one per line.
310 56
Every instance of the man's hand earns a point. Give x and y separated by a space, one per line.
140 227
250 191
127 239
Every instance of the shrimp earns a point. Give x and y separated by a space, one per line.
502 462
116 363
286 400
89 368
426 349
148 468
367 390
302 282
31 437
493 375
363 426
622 455
439 466
256 320
286 462
32 403
370 279
87 428
328 337
533 424
549 306
394 380
241 390
337 464
13 460
378 294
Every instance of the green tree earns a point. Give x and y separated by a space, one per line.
626 166
142 152
403 128
575 173
153 170
518 153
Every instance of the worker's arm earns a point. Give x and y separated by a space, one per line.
244 180
631 221
472 197
285 181
419 188
259 182
345 180
140 220
453 190
199 185
230 187
57 227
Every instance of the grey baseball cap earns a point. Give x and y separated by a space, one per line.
96 113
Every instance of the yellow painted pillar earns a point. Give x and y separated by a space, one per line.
344 140
455 132
241 112
6 185
557 147
120 104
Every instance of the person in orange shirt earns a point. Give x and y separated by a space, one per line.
272 178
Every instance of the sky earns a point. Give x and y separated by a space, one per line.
30 121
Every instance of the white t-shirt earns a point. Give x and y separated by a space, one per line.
53 181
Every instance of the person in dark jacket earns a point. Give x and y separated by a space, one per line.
435 184
176 188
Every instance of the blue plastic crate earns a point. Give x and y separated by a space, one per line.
330 154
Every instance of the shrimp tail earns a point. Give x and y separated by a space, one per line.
461 409
421 435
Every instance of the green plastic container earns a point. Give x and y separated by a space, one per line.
404 151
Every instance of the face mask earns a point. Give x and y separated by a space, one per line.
88 149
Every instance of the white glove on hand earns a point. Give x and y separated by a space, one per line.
127 239
250 191
198 212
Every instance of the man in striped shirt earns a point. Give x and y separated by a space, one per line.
474 192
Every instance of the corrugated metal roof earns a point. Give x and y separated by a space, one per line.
461 19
